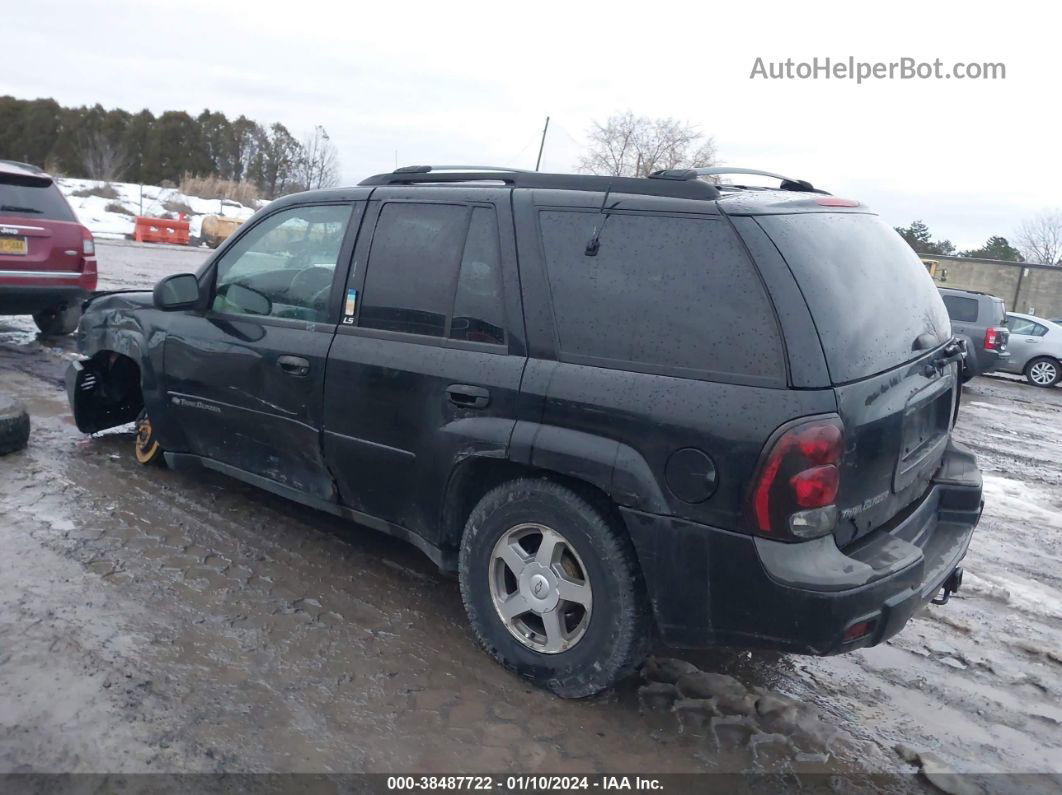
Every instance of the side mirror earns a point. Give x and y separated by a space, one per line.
177 292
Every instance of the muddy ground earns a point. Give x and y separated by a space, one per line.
159 621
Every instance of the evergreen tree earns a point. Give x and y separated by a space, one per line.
919 238
995 248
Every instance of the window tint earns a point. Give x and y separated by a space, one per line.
999 309
288 259
1021 325
34 201
663 294
409 284
961 309
868 292
478 306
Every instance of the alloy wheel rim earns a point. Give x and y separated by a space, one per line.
144 447
540 588
1043 373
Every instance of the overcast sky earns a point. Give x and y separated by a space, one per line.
453 82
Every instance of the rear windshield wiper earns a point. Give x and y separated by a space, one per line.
14 208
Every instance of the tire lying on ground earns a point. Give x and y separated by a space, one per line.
14 425
58 322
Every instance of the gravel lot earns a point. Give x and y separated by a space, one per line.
159 621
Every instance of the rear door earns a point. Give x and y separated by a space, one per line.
883 329
426 365
245 379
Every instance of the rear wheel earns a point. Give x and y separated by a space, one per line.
552 588
58 321
146 446
1043 371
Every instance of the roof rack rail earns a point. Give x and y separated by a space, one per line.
435 175
788 183
433 169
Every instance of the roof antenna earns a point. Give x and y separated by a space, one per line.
594 244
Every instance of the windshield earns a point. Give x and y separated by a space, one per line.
35 201
869 294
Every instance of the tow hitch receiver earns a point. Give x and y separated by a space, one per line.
950 586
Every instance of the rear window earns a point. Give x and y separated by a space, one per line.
961 309
868 292
33 201
998 311
663 295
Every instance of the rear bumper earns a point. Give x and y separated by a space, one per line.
710 586
27 299
985 361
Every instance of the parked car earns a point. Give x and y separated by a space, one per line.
619 408
47 259
979 320
1035 349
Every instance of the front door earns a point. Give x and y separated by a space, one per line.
244 380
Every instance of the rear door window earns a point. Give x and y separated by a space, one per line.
435 270
663 294
1021 325
478 305
412 263
869 294
963 310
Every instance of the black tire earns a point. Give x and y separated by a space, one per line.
14 426
617 634
59 321
1044 365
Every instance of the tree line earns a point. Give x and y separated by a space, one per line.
1039 241
116 145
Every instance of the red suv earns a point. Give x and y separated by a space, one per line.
47 259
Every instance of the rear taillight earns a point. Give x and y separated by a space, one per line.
88 245
795 489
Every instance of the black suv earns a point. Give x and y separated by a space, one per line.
623 409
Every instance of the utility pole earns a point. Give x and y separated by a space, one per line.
542 145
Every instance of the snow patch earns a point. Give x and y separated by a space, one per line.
149 200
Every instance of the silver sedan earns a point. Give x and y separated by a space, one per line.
1035 349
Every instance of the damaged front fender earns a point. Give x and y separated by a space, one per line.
108 387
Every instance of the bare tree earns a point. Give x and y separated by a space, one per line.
103 158
318 163
627 145
1040 238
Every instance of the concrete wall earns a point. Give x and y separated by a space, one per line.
1034 289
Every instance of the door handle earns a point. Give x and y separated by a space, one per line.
468 397
1031 340
294 365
